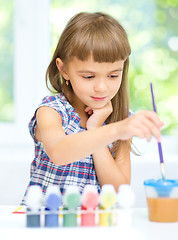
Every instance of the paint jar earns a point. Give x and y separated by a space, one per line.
34 204
69 217
162 200
53 200
107 204
90 201
71 200
125 200
106 217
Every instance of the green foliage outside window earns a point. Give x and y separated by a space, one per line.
153 34
6 60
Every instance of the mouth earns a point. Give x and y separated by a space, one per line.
98 98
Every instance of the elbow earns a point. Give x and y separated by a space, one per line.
57 160
54 157
126 181
58 156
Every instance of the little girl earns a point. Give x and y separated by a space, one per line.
83 134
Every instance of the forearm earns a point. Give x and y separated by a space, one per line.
76 146
110 172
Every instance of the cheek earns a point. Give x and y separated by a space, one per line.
115 88
79 88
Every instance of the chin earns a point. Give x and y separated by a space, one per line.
98 106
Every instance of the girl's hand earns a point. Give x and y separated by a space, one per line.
98 116
143 124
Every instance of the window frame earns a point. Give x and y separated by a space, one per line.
31 58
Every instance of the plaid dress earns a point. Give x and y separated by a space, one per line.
43 171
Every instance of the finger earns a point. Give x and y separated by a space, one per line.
139 133
150 129
146 132
157 134
143 131
110 106
148 138
89 110
154 118
147 127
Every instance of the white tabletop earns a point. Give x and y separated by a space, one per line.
13 226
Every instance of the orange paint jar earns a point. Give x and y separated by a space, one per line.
163 209
162 200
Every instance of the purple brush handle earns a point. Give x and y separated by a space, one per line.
160 153
159 144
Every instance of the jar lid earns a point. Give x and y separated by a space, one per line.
162 187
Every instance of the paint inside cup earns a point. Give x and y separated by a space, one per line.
162 200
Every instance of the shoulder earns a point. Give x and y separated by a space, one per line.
46 114
55 101
46 108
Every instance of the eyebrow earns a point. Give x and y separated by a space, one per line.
88 71
85 71
117 70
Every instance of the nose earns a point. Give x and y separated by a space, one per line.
100 86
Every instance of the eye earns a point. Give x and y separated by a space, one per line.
113 76
88 77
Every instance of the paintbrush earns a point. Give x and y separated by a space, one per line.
159 143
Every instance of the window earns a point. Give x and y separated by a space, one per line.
26 52
153 34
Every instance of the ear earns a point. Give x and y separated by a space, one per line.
61 68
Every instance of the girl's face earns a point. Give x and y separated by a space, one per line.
94 84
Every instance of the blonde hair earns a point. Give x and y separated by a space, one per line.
101 36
